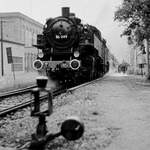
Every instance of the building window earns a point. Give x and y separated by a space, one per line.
17 64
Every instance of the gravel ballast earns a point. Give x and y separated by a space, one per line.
114 111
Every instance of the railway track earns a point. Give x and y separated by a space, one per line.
13 109
16 92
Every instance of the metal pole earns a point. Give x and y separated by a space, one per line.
148 68
13 70
2 61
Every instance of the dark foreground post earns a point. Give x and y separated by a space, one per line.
72 129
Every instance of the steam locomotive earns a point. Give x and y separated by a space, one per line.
71 52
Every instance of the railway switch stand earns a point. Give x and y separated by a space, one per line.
71 129
37 110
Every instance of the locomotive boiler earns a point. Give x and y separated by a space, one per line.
71 52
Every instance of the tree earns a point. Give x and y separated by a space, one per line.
135 17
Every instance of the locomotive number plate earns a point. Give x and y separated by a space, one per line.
61 37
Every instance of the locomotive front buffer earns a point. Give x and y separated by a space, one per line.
71 129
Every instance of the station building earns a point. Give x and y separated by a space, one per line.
138 60
18 34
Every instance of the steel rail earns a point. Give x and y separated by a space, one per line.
54 93
26 104
15 92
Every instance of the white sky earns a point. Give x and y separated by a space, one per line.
99 13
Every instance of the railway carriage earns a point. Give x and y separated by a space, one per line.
71 52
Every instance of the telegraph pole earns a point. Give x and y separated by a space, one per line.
148 61
2 61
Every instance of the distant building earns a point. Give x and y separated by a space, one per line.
113 63
18 33
138 60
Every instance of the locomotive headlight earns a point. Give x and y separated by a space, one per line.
76 54
40 54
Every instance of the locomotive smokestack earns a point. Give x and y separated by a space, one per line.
65 11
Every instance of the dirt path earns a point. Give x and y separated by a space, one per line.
127 107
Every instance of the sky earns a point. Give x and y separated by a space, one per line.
99 13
